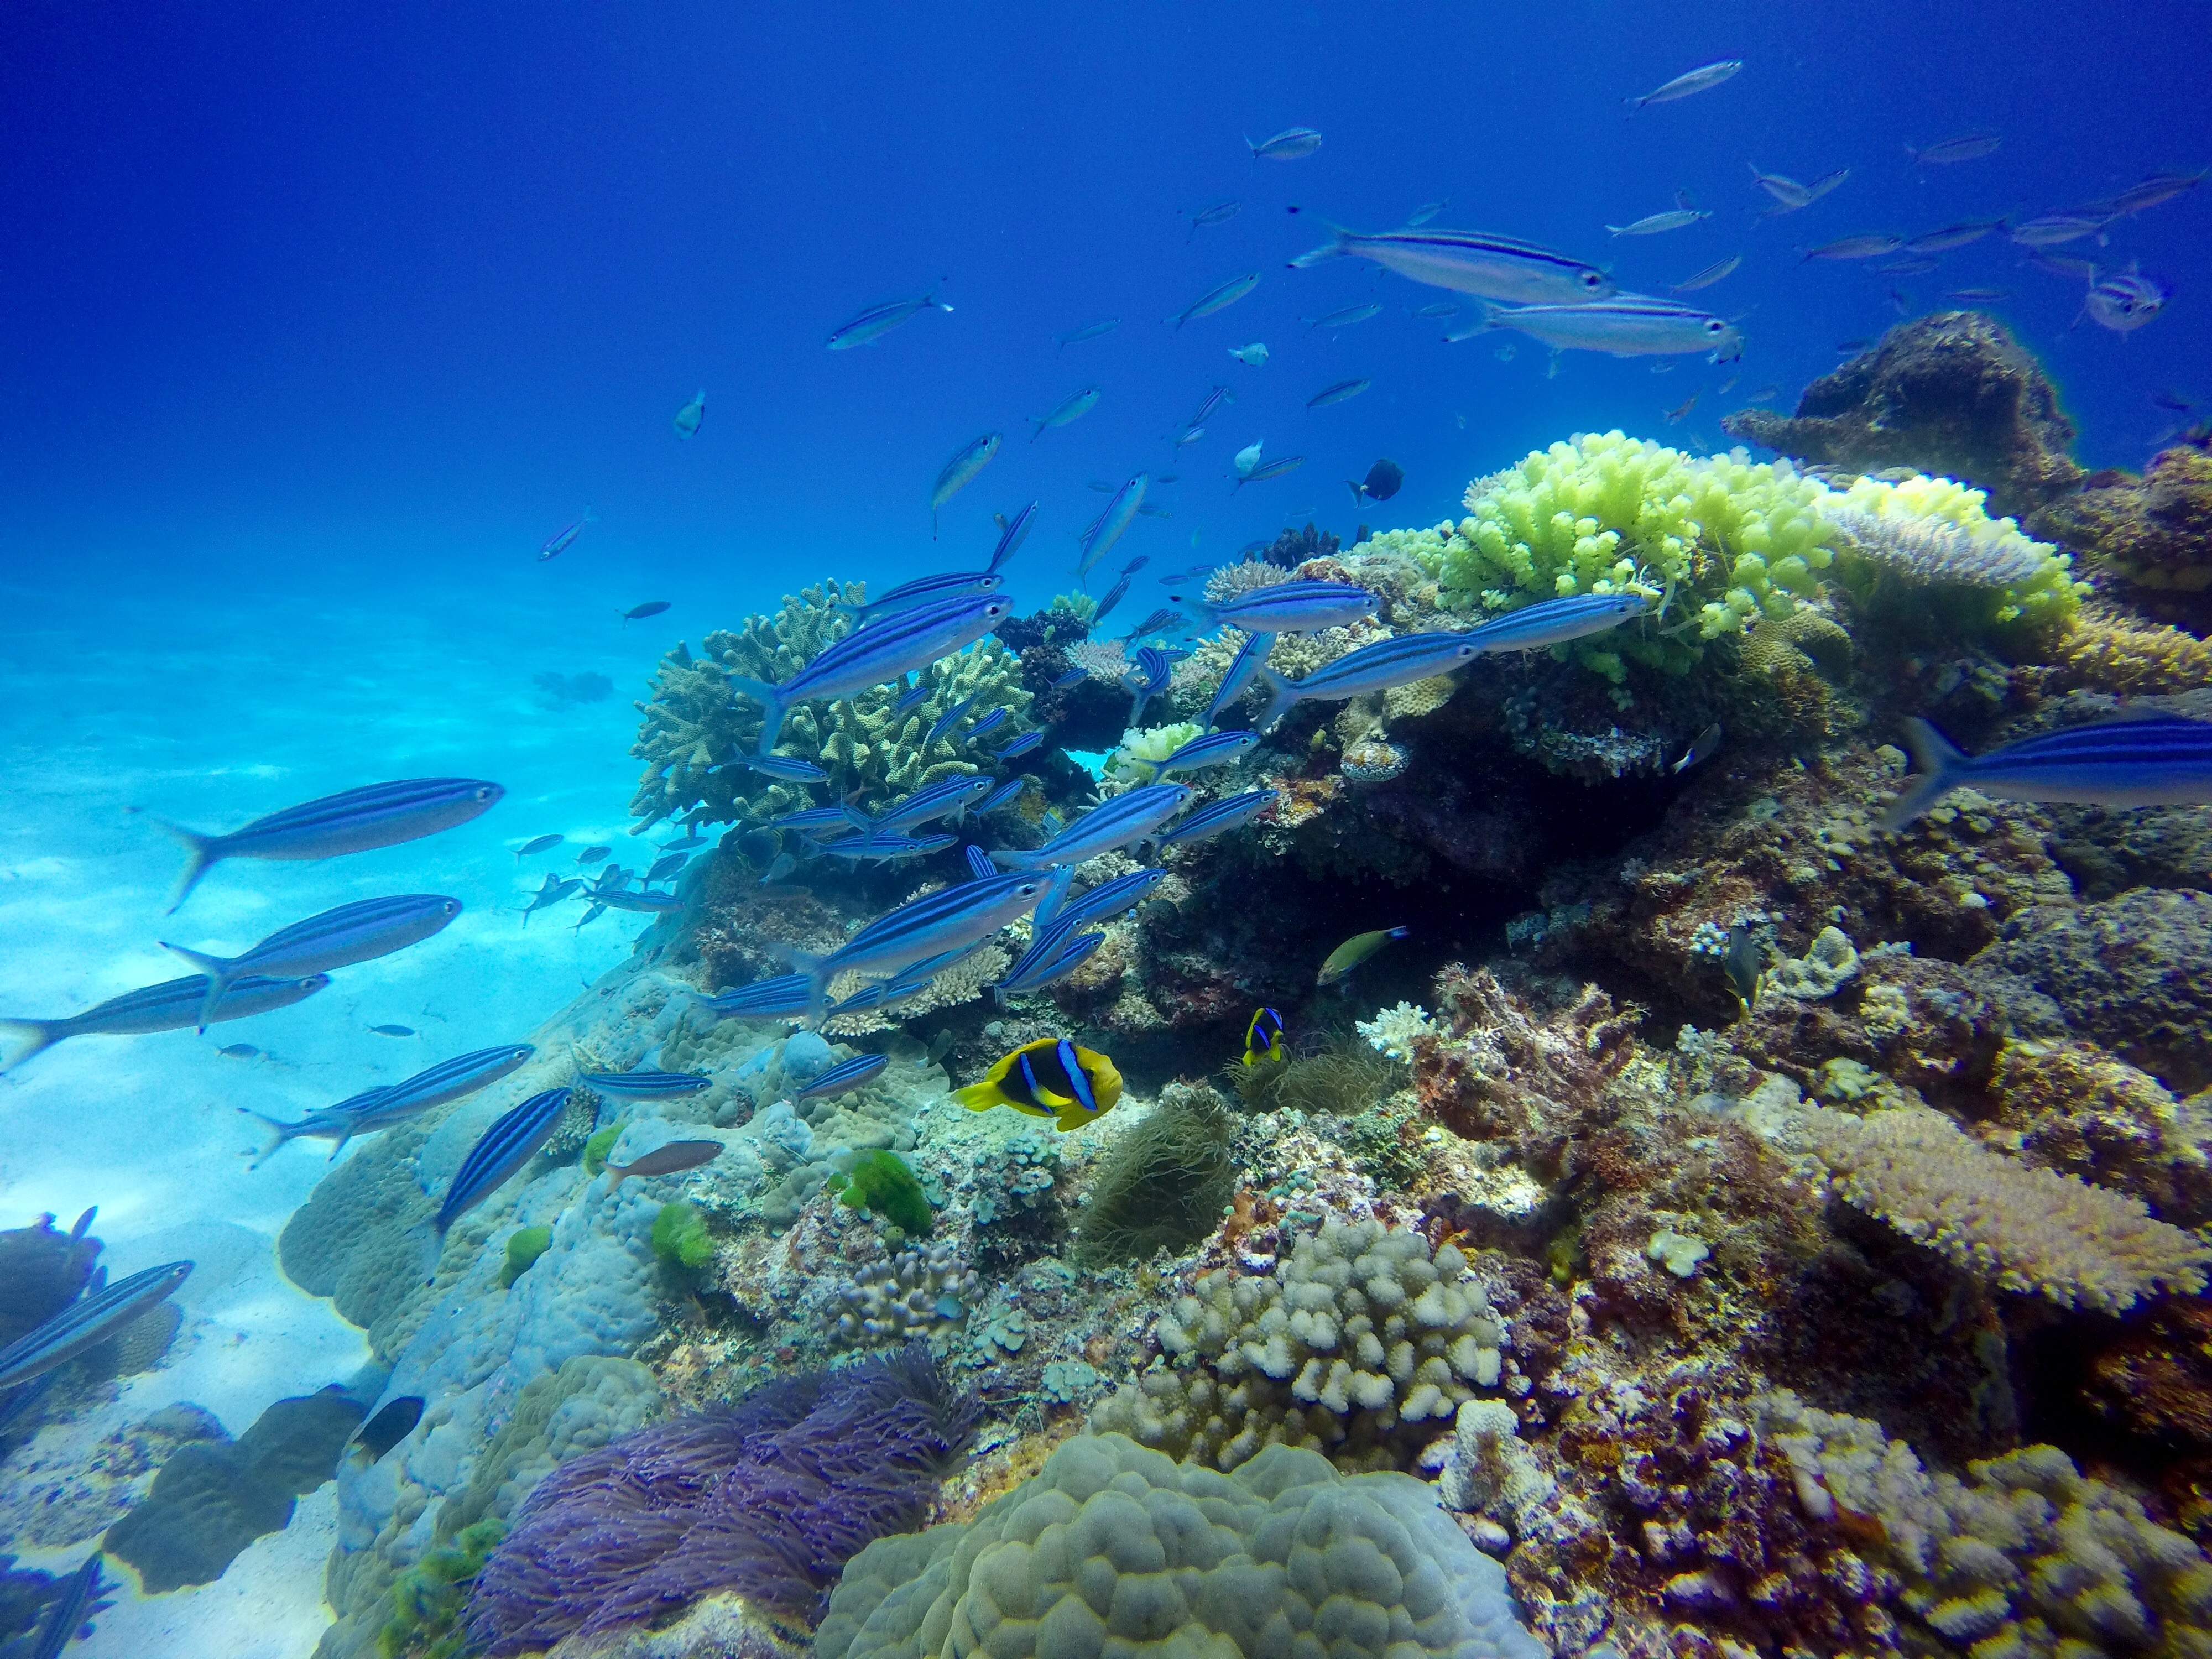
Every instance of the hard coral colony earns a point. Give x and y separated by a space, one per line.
1650 1099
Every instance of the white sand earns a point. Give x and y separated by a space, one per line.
214 717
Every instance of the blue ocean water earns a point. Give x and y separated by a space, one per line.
315 324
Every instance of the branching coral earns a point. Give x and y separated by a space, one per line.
1927 532
1361 1345
2029 1229
768 1498
693 724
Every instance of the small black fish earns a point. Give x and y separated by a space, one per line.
394 1030
592 854
2173 401
1382 481
385 1430
640 612
1701 748
1742 965
242 1051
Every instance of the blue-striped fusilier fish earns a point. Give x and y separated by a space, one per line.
1158 621
1242 668
1216 299
1554 621
913 697
1217 818
1056 951
512 1139
1341 392
1344 317
1213 749
842 1079
565 537
78 1598
777 998
870 847
946 721
1115 595
653 904
879 321
1071 677
88 1322
1110 898
552 893
353 821
1214 398
1265 471
666 866
870 657
789 768
1703 78
2163 760
1145 678
815 820
1376 667
361 931
1626 325
988 721
1106 528
1288 145
1012 533
919 928
644 1085
1073 408
1021 745
1292 607
948 798
958 473
1116 823
1007 793
1472 262
1653 224
380 1108
169 1007
925 590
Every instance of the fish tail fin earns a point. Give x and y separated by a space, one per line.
1935 763
1335 250
1359 496
279 1133
200 856
978 1096
589 517
341 1146
42 1034
772 707
1282 697
220 971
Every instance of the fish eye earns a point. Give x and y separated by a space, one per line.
483 794
1591 279
1713 325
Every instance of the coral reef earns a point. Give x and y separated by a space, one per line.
917 1293
427 1599
2152 536
879 1183
1162 1182
680 1239
1111 1549
693 724
768 1498
1951 393
1361 1344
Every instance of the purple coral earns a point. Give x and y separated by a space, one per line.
769 1497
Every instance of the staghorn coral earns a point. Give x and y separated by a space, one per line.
917 1293
1362 1344
2028 1229
769 1497
694 723
1114 1550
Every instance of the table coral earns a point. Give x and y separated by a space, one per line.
1114 1549
693 724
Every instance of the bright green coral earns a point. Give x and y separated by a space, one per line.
428 1601
601 1143
694 722
680 1239
2020 580
1141 752
524 1246
881 1183
1725 541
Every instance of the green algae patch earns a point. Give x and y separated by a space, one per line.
880 1183
680 1240
524 1246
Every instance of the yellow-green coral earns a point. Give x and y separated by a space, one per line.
1141 752
694 723
2030 582
1732 538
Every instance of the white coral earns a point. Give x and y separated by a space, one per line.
1394 1030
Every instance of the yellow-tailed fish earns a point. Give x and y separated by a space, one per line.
1355 951
1050 1077
1263 1037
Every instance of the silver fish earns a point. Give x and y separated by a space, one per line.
1073 408
361 931
2161 187
1217 299
1219 213
1709 275
1951 236
1341 391
1089 331
879 321
2050 229
1966 147
169 1007
971 459
1471 262
1701 79
1652 223
1344 316
2125 300
1107 529
1855 247
1626 325
1288 145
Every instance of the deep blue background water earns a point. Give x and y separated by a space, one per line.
374 298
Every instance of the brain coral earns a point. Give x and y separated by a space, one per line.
693 723
1361 1345
1112 1549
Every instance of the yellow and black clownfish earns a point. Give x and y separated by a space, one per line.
1263 1037
1050 1077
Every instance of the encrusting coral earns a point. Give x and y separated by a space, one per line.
767 1497
695 726
1111 1549
1361 1344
